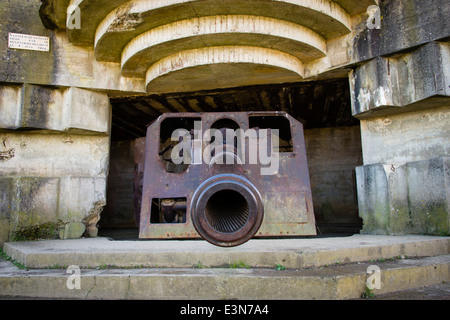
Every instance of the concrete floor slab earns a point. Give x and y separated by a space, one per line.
263 253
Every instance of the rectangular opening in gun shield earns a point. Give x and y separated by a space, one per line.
169 210
279 123
171 134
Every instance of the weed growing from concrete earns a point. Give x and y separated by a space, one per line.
239 265
368 294
199 265
279 267
14 262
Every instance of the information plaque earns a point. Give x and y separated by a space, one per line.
28 42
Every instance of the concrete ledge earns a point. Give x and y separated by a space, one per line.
385 86
336 282
291 253
69 110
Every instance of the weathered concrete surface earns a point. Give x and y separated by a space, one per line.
55 206
403 186
327 20
403 24
332 283
334 280
403 83
407 137
291 253
408 198
110 25
346 27
65 65
41 107
222 67
54 14
138 34
54 161
56 156
240 30
403 103
438 292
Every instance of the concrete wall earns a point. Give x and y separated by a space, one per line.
416 80
410 198
213 43
404 185
54 161
407 137
54 131
64 65
403 102
333 154
400 92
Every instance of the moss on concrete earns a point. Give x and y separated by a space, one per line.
377 221
415 200
433 219
49 230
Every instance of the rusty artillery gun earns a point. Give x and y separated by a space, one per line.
224 177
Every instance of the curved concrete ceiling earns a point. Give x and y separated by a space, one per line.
190 45
135 17
221 67
148 48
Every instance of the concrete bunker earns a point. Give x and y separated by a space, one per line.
372 94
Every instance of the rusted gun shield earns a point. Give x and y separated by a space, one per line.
230 201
